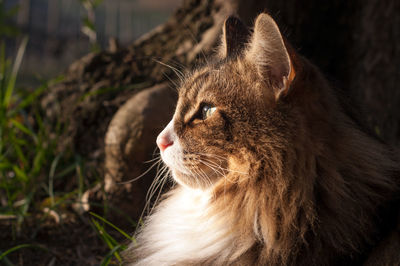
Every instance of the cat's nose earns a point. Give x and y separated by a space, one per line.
164 141
166 137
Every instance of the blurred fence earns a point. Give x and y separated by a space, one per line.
124 19
55 33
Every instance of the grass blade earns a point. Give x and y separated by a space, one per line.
14 72
51 177
20 174
22 127
5 253
109 240
113 226
109 255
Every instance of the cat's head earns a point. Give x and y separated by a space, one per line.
231 115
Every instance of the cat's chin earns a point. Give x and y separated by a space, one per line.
190 181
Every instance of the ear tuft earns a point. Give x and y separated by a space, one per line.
235 37
268 51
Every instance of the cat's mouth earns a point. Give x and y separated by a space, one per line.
195 179
197 173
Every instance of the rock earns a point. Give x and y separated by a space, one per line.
130 141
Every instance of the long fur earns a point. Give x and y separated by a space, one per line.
294 179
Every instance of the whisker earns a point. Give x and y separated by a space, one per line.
159 187
208 180
173 87
154 159
145 172
160 190
195 40
154 152
177 72
160 170
225 169
212 167
157 179
175 63
202 174
155 183
150 192
213 156
172 81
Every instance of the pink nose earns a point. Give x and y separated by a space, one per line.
163 141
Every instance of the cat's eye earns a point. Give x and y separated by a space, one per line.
207 111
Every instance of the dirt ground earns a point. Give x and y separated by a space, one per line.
73 241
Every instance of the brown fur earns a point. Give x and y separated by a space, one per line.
318 185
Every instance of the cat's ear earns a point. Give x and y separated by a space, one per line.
268 51
235 36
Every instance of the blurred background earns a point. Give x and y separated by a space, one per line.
61 31
40 181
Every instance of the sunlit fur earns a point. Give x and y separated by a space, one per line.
274 179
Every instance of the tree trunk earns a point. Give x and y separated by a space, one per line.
355 43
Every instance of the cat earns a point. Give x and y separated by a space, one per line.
269 167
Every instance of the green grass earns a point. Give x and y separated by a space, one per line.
115 247
30 164
28 156
32 169
13 249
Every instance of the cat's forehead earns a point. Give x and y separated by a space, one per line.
192 91
213 80
196 82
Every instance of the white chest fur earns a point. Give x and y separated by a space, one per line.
183 229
